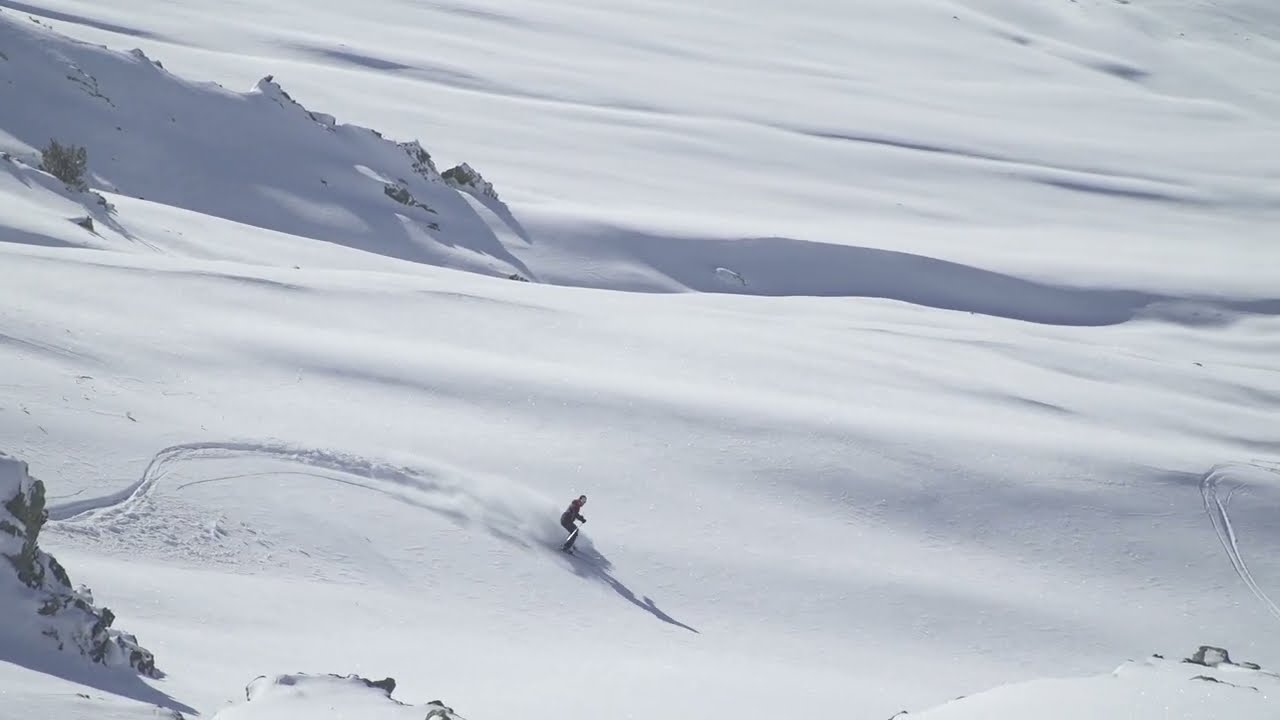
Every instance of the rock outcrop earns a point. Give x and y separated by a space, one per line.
465 178
36 593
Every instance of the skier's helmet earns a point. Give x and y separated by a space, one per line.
583 498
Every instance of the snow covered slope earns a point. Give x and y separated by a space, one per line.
363 465
1016 419
1152 689
257 158
1091 144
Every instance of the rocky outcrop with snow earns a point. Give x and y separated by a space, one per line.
328 697
465 178
1206 685
36 595
258 158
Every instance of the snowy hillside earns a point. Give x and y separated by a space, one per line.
256 158
949 154
953 370
1155 689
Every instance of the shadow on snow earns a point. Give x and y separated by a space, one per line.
591 565
73 668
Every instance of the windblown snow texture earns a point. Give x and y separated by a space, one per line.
906 348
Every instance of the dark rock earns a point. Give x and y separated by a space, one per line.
27 506
401 194
439 710
421 159
387 685
464 177
1209 656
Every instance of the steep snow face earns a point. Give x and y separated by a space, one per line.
1151 689
258 158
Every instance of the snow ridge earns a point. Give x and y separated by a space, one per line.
258 158
298 696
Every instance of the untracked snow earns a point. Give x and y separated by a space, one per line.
905 349
1152 689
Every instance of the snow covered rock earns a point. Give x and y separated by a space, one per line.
37 595
328 697
465 178
1210 656
423 165
1152 689
269 88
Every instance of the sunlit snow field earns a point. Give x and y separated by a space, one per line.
904 348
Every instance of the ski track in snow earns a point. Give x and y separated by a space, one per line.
136 519
1216 505
128 507
162 461
515 517
818 484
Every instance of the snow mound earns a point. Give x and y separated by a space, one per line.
328 697
37 598
1206 685
258 158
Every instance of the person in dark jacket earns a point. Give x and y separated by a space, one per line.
567 518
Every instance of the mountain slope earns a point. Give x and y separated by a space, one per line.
779 475
257 158
977 385
983 174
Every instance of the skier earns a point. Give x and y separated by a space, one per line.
566 521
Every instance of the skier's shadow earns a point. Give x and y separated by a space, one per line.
589 563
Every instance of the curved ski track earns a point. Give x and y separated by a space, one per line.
1216 506
162 461
502 521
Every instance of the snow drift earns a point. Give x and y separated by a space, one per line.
328 697
1206 685
37 599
